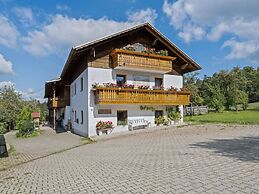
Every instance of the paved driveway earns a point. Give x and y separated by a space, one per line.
194 159
27 149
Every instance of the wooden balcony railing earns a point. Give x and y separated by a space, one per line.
136 60
57 103
142 97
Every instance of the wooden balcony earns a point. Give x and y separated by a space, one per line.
57 103
123 59
142 97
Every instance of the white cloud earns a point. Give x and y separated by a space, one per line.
8 32
215 17
24 14
63 32
6 67
191 32
242 50
6 84
211 20
61 7
31 94
141 16
28 94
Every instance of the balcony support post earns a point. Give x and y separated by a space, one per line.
54 110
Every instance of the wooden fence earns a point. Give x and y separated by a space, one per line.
195 110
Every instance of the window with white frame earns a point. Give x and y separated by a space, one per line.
82 117
82 84
75 89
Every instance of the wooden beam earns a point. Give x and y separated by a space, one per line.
184 66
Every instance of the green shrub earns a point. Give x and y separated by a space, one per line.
160 120
36 125
2 128
25 128
174 116
32 134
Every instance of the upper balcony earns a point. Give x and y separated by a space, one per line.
105 95
132 60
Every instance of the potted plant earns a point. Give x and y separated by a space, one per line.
171 88
162 52
184 89
149 50
95 85
159 120
104 127
158 88
142 87
128 86
110 85
174 116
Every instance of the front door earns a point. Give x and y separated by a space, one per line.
158 113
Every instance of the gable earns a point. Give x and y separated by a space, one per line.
98 51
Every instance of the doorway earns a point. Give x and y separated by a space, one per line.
158 113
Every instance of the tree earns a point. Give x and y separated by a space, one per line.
24 122
10 106
37 106
212 94
193 83
25 115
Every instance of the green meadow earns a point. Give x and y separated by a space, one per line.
249 116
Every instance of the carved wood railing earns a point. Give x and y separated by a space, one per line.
137 60
105 95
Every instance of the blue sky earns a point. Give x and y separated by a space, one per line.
36 36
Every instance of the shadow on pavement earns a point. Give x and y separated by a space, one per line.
244 149
60 130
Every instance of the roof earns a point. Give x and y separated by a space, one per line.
147 26
48 86
35 115
54 80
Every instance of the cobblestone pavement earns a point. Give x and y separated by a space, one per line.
192 159
27 149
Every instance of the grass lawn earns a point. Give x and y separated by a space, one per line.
250 116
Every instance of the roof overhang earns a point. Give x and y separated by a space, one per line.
49 85
189 63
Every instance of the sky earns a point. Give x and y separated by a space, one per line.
36 36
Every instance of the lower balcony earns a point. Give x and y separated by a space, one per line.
57 103
140 96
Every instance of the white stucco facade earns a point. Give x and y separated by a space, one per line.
85 101
79 104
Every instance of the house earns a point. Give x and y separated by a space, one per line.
35 117
132 76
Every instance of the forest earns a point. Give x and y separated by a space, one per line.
225 90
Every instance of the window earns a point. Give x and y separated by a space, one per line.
82 117
72 90
75 89
82 84
120 79
75 116
158 82
122 117
104 111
